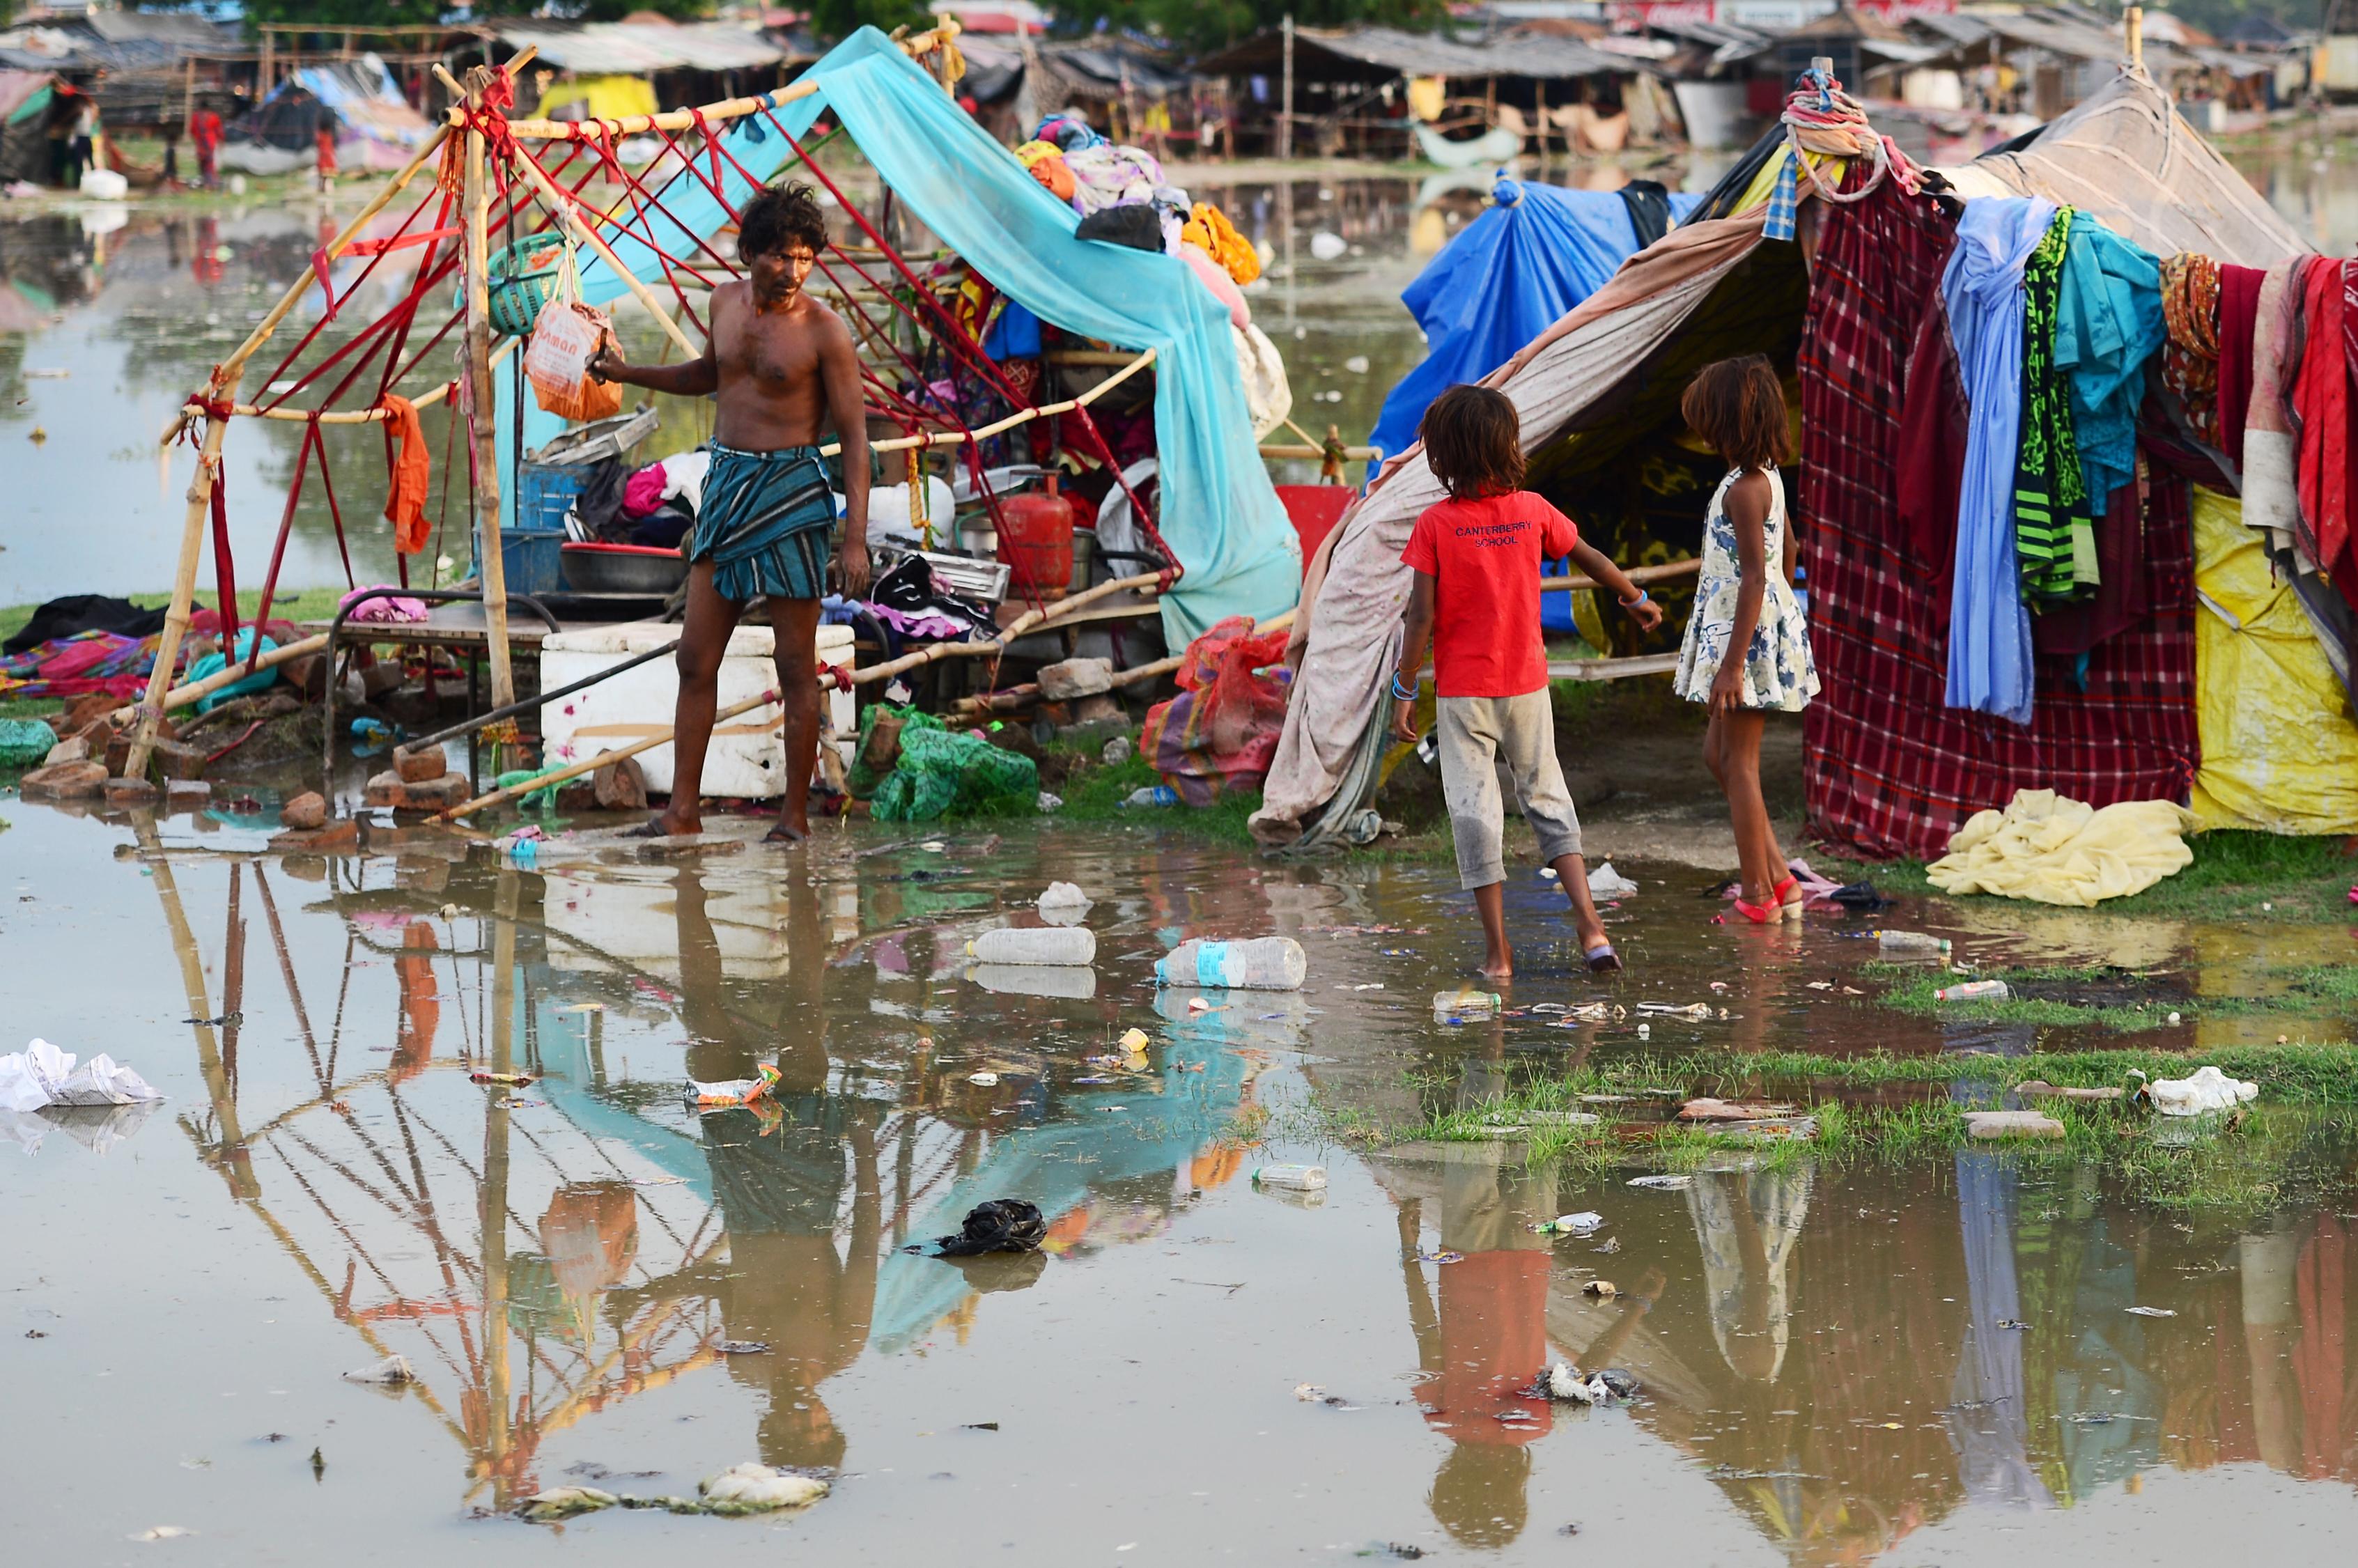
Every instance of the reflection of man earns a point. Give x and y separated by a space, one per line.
1486 1340
421 1003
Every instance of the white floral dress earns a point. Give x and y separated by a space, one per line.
1778 670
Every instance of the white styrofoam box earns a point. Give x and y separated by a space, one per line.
625 917
747 758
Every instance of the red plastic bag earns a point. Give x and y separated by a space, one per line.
1220 732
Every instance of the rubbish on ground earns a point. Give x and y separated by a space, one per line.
1063 905
1061 944
1645 1030
162 1533
518 1102
2173 1017
1973 990
1297 1178
1993 1124
1587 1222
1601 1287
2040 1088
1133 1042
1118 751
2150 1312
1593 1013
515 1080
1706 1109
1259 963
42 1074
1049 804
450 912
1858 896
735 1091
1673 1010
2050 849
1607 883
1562 1119
1662 1183
1911 942
1197 1004
743 1348
1002 1224
1457 1006
2014 1323
564 1502
1073 982
1440 1254
1152 795
1309 1393
2207 1089
583 1007
1326 245
221 1020
983 1080
390 1373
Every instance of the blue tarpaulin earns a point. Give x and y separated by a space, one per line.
1537 251
1218 509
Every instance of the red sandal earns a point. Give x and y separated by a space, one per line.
1777 893
1760 914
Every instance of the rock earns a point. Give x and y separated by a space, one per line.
419 767
76 750
436 795
83 710
67 781
1075 678
1708 1110
1118 751
130 792
2040 1088
386 789
308 675
1996 1124
338 837
621 786
1098 709
379 679
306 813
576 797
179 760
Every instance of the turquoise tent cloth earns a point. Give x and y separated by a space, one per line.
1218 510
213 663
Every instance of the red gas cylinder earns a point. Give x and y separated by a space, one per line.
1035 539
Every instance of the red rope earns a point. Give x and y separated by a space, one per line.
224 568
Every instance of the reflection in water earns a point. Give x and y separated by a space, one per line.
1747 1222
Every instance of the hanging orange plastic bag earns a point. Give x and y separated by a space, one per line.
566 336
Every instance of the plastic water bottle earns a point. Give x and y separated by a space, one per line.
1468 1003
1153 795
1295 1178
1973 990
1035 944
1260 963
1911 942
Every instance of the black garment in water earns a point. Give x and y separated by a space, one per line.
1138 226
1649 201
85 612
1002 1224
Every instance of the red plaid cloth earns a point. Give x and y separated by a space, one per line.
1889 768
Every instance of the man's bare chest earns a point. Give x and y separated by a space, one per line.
777 353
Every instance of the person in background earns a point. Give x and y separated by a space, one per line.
205 135
1746 649
1475 603
80 143
323 135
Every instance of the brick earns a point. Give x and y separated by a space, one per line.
67 781
435 795
419 767
179 760
184 794
386 789
621 786
336 837
82 709
76 750
130 792
306 813
1076 679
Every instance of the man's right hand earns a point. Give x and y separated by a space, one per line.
607 364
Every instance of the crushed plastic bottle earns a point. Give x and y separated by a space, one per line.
1260 963
1464 1004
1153 795
1587 1222
1911 942
1035 944
1973 990
1296 1178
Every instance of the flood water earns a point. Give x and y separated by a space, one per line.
1827 1363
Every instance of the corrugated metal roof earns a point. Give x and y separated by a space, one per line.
634 48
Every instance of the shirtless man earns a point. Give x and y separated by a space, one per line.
782 366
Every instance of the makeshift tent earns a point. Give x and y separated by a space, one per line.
1889 768
374 125
27 101
1535 253
1217 512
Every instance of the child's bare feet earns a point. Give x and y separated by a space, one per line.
1498 953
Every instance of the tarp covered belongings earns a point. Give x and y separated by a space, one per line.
2052 850
1218 511
1219 732
2279 752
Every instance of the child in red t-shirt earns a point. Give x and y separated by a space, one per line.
1475 602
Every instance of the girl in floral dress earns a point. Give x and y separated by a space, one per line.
1748 648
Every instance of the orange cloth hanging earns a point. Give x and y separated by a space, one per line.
413 473
1209 227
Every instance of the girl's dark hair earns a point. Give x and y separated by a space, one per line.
778 217
1474 441
1739 405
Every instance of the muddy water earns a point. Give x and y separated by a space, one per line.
1825 1366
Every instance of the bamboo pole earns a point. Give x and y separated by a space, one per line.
222 386
916 45
490 558
1638 575
353 416
567 210
566 774
181 695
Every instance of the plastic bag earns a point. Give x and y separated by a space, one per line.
1002 1224
943 775
566 336
42 1074
1221 731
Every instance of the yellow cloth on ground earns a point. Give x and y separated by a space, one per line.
2054 850
603 97
2280 753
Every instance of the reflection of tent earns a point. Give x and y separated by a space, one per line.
1889 768
1218 510
1536 251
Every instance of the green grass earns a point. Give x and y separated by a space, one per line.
2235 873
2308 988
1093 792
287 605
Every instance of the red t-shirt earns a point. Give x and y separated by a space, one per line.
1484 559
